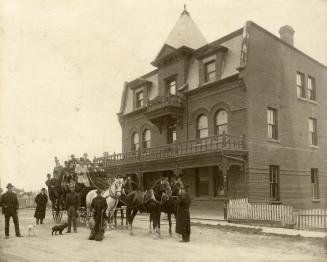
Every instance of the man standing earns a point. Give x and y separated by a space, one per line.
9 204
41 201
183 223
99 206
72 206
51 184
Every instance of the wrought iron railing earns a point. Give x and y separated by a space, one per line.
198 146
164 101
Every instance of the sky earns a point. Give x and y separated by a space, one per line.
63 64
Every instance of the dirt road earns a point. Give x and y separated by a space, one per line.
208 243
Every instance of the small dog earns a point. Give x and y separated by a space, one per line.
59 228
31 230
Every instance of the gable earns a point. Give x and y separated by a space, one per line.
165 50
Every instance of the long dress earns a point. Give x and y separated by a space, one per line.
41 205
183 223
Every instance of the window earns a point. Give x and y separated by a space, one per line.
139 99
272 123
314 183
311 88
274 183
210 71
171 87
221 122
135 142
171 134
300 84
313 138
146 138
201 182
202 126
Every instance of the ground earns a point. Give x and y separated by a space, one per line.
208 243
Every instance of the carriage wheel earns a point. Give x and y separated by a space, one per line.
57 215
82 216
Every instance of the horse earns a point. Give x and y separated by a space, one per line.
150 201
128 187
168 204
143 201
112 195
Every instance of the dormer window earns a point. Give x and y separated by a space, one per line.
171 87
210 71
139 99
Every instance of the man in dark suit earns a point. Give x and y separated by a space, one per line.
183 222
51 191
41 201
99 206
72 205
9 204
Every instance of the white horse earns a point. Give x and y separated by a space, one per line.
112 195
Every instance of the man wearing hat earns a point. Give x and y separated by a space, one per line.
99 206
87 161
73 203
183 222
51 185
9 203
41 201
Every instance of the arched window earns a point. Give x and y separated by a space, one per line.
221 122
135 141
146 138
202 126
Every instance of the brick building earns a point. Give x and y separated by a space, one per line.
244 115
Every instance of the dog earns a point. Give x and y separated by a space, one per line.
31 230
59 228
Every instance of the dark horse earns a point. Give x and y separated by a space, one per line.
148 201
169 206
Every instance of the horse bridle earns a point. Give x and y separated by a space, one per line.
111 194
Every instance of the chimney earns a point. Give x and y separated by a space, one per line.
286 33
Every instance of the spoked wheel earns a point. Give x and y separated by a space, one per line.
82 216
57 215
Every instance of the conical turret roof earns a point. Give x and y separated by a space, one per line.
186 33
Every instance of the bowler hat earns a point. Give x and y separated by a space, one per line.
9 186
42 189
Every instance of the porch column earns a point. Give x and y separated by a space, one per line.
224 166
177 171
140 178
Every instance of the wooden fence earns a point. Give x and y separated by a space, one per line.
312 219
241 210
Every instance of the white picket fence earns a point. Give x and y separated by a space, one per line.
312 219
241 209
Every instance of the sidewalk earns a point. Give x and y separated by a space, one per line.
214 221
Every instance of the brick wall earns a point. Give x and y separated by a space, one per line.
270 78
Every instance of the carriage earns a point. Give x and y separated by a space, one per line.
96 179
64 179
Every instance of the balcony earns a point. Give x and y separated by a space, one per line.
164 109
175 150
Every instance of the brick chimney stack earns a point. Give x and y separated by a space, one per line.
286 33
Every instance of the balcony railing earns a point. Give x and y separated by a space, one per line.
164 101
198 146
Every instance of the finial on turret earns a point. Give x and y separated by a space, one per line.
185 12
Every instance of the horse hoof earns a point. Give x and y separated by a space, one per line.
131 234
